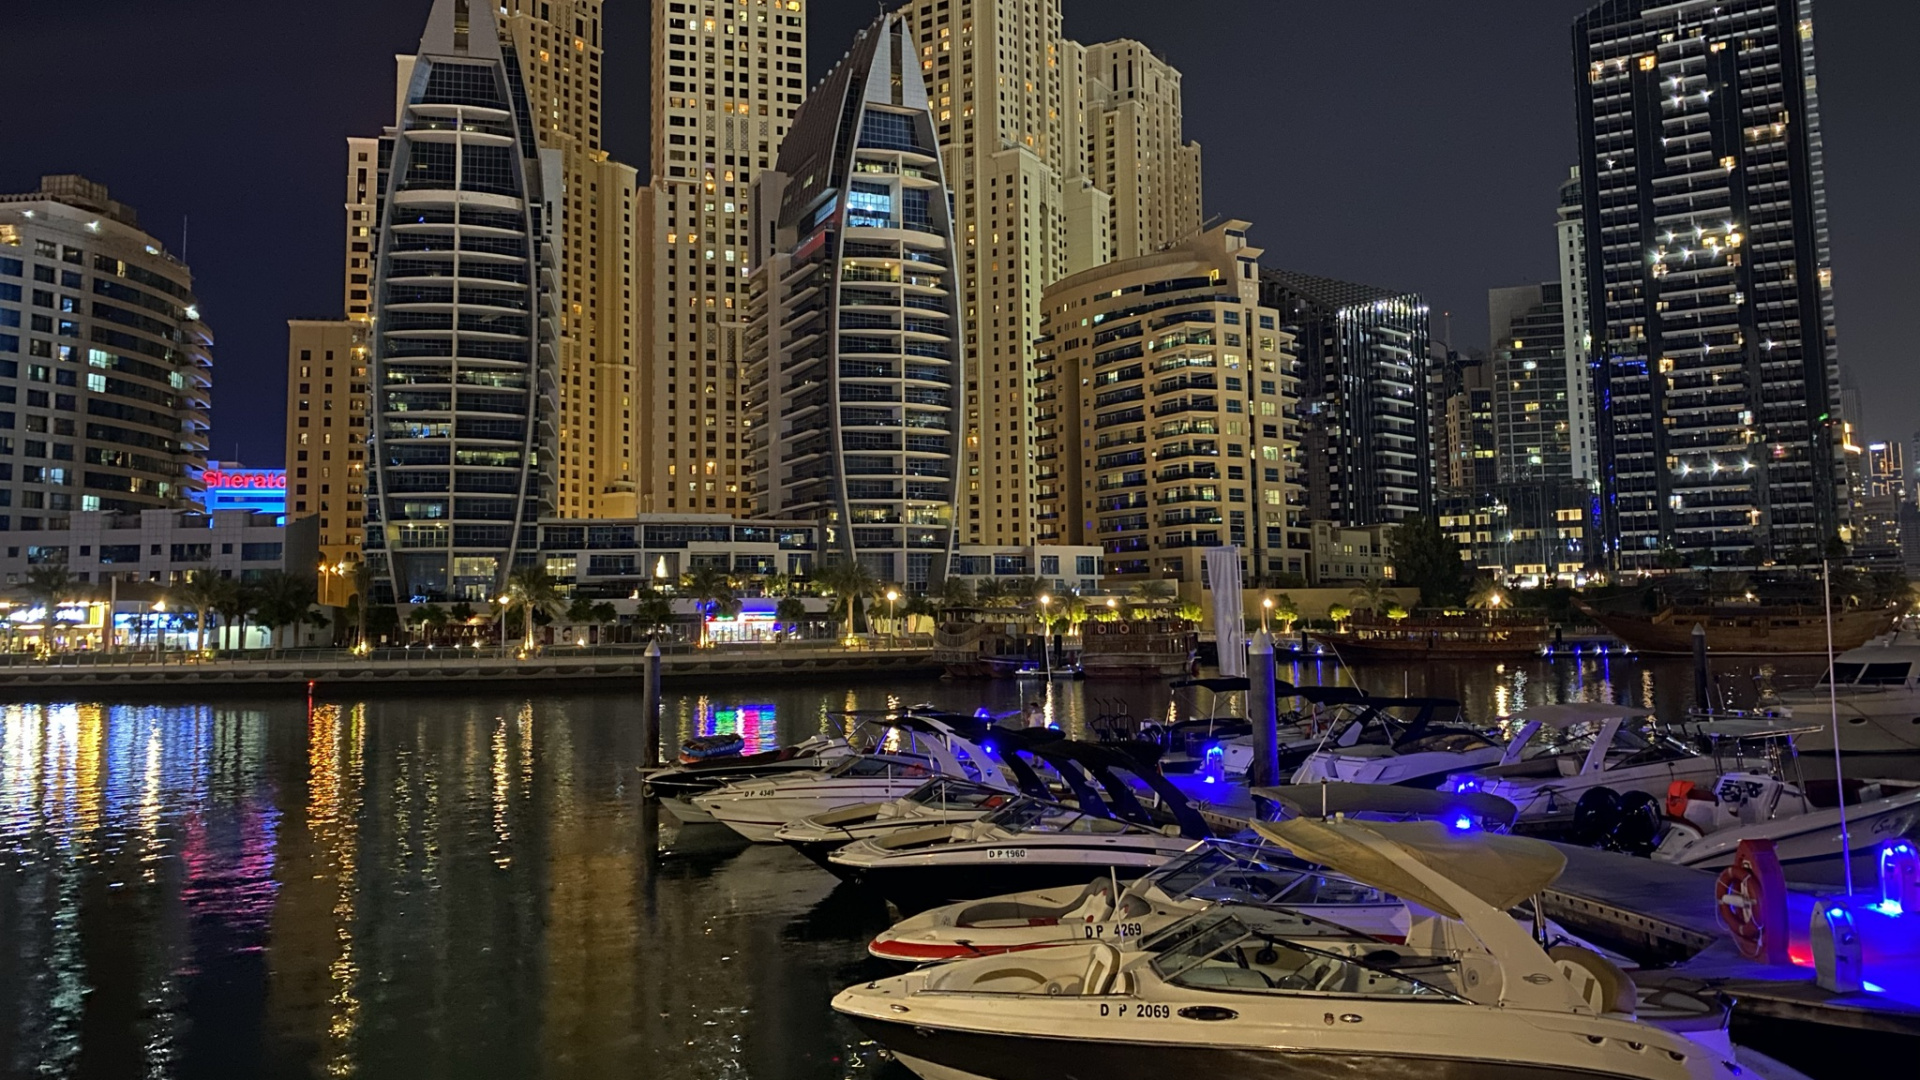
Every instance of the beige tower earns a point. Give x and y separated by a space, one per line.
1134 152
327 395
559 46
363 191
996 73
727 80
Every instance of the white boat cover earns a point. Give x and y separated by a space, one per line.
1340 797
1500 870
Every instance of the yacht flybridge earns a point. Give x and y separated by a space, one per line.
1231 993
1559 753
909 750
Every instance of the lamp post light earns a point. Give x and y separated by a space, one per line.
1046 637
505 607
159 631
893 620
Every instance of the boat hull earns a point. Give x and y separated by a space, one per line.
1882 722
1736 632
1808 845
922 886
1518 646
942 1054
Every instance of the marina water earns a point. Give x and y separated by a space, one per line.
449 886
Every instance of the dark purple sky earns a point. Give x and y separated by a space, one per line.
1411 143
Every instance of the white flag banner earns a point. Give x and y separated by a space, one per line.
1229 622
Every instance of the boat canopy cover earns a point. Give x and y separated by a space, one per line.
1326 800
1223 685
1567 714
1500 870
1330 695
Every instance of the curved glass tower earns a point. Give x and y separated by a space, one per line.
855 346
463 344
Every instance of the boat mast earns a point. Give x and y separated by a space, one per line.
1833 702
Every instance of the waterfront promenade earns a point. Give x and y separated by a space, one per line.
421 668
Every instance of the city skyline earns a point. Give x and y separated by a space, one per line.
339 84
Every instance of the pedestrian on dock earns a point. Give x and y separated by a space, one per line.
1034 717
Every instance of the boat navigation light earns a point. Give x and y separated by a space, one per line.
1462 823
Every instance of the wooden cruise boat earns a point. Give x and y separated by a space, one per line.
1439 637
1742 629
1159 648
970 646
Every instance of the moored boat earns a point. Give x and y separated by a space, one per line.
1741 629
1439 637
1155 648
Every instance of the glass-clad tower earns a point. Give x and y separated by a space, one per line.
1710 290
463 355
854 344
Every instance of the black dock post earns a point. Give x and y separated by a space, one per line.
1263 710
1702 700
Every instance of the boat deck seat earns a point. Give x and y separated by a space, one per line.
1822 793
1225 977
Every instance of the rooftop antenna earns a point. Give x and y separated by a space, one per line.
183 238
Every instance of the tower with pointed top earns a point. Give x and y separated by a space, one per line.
465 316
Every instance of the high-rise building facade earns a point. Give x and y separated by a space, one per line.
1533 402
1570 246
465 291
1468 445
854 359
1363 356
1135 151
105 363
728 78
328 373
1708 277
1167 409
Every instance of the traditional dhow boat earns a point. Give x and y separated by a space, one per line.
1155 648
1741 629
1232 995
1439 637
979 645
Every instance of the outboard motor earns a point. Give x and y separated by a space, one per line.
1637 829
1595 816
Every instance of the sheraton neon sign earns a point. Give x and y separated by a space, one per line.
246 479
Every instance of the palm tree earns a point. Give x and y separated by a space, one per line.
790 612
283 600
1375 596
236 602
848 579
712 590
362 589
1487 596
50 586
199 592
534 593
653 612
954 592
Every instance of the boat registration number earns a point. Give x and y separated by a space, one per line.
994 854
1138 1012
1118 930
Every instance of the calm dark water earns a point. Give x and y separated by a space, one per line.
470 886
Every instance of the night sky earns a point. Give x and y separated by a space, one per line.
1410 143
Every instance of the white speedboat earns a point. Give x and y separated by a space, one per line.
1229 994
1411 741
1218 872
943 800
1559 753
1028 844
1704 827
675 785
1876 690
910 750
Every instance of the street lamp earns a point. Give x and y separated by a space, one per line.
1046 637
893 622
504 601
1266 608
160 630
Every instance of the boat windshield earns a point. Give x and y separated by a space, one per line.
864 765
946 794
1878 674
1633 744
1249 950
1034 816
1376 727
1220 877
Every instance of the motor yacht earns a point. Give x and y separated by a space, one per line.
1417 742
675 785
1230 993
1222 746
1559 753
943 800
1875 691
909 750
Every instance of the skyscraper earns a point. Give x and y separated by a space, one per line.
327 398
1363 355
1570 246
1167 408
1533 408
1709 282
1134 148
465 352
854 355
105 363
728 78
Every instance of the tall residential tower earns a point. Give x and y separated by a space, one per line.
854 355
1709 284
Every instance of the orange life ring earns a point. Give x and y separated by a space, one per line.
1750 899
